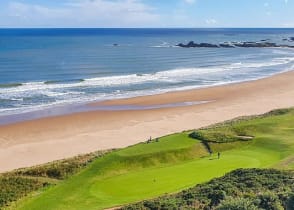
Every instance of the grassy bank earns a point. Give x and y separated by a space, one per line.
173 163
19 183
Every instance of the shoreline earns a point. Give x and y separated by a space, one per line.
87 107
43 140
104 105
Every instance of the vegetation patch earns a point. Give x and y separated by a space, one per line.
60 169
19 183
15 187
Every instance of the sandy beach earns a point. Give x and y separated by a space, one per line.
39 141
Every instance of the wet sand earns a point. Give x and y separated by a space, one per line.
39 141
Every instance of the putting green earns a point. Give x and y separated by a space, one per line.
174 163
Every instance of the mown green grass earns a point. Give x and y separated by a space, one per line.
174 163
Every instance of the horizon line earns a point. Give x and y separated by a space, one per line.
146 27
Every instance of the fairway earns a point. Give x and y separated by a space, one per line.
171 164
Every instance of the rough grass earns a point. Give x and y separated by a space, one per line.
60 169
19 183
173 163
14 187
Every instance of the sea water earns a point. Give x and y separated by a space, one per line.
41 68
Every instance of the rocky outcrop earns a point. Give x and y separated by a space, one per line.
262 44
286 46
190 44
290 39
256 44
193 44
224 45
265 40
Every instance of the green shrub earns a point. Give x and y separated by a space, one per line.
236 204
278 112
12 188
290 202
269 201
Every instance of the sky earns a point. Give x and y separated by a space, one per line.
146 13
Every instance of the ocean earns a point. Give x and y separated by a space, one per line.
44 68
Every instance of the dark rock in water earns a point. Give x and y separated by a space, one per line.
208 45
264 40
286 46
115 45
244 44
226 45
290 39
190 44
268 44
263 44
256 44
193 44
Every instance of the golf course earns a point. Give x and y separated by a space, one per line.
172 163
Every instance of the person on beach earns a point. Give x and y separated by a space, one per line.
149 140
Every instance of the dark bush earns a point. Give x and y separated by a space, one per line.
290 202
13 188
269 201
236 204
